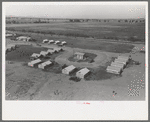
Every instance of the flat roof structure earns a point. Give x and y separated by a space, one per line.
68 69
57 49
50 51
44 53
121 65
78 53
64 42
42 65
124 61
50 41
35 55
113 69
32 63
22 37
81 73
57 41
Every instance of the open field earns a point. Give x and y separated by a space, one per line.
94 30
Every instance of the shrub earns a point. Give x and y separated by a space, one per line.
76 79
64 66
90 61
137 63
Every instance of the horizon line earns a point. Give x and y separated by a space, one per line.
67 18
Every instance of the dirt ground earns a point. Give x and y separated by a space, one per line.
26 83
51 86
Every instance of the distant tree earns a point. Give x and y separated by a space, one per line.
133 20
39 20
71 20
76 20
126 20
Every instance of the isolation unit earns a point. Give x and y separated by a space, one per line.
57 42
83 73
124 58
68 69
120 65
23 38
64 42
9 34
34 63
45 64
124 61
51 41
57 49
45 41
114 70
43 53
35 56
49 51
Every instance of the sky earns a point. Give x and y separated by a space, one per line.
96 11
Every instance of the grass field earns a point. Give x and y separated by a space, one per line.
88 35
83 43
91 29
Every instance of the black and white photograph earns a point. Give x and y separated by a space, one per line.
75 52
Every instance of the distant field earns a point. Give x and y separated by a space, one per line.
126 31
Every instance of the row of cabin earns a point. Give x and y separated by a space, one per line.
45 53
42 65
80 74
38 63
119 64
54 42
23 38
